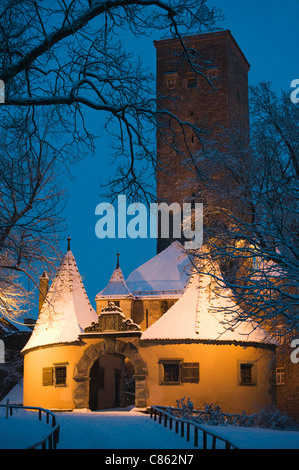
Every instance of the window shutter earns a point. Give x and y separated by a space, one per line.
47 376
190 372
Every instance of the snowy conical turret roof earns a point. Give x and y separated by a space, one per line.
116 287
66 310
205 311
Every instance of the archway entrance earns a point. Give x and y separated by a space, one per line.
106 382
100 373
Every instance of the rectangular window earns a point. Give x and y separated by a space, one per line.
56 375
280 376
190 372
170 83
60 374
175 372
247 373
164 306
170 371
192 83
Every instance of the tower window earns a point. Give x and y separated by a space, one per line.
164 306
280 376
170 83
192 83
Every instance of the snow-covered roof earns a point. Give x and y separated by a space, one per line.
165 274
205 312
66 310
116 287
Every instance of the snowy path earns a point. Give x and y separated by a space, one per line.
133 430
116 430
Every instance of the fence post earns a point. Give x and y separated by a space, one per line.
204 440
7 408
195 436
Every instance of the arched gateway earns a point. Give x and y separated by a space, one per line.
115 335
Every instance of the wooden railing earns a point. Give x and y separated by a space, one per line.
51 440
185 425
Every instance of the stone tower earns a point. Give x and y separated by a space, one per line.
214 106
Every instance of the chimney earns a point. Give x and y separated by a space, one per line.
43 289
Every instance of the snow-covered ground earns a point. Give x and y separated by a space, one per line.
127 429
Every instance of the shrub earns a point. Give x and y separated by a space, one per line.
268 417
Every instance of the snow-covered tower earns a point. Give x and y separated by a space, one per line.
116 291
64 314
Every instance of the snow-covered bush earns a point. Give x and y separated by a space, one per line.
183 408
271 417
268 417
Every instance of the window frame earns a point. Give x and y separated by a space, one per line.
182 368
57 366
163 362
253 366
191 83
281 375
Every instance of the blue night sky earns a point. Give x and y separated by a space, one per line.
267 32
